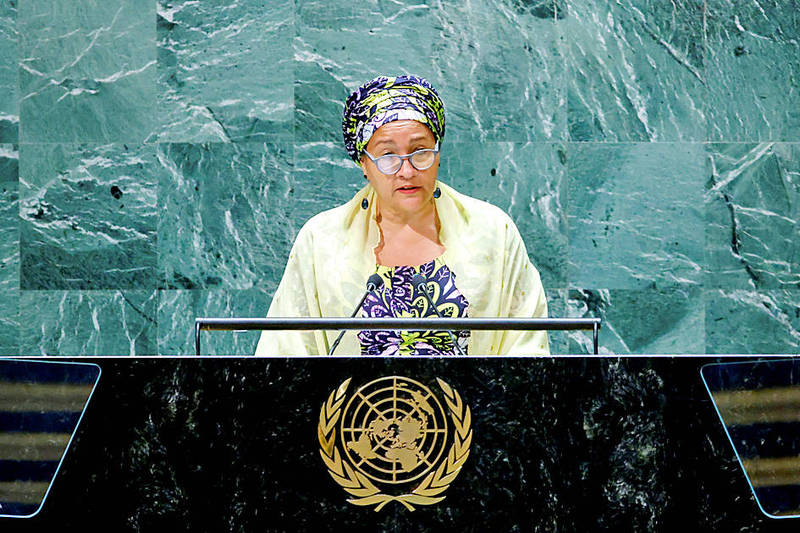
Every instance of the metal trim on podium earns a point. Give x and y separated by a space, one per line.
408 324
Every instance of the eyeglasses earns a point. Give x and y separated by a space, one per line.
390 163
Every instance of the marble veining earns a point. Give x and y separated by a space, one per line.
529 182
636 70
224 73
634 215
9 221
88 322
177 310
497 65
771 323
9 322
645 149
84 74
752 211
9 102
608 444
325 177
88 216
753 70
224 214
650 320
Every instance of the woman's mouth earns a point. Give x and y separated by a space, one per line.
407 190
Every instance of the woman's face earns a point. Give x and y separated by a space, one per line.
409 190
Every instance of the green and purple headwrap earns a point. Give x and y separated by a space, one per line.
386 99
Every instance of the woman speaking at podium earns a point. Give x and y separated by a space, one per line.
402 225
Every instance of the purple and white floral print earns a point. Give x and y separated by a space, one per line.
398 298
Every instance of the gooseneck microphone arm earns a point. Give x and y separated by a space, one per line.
374 282
418 281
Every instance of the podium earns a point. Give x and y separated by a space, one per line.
574 443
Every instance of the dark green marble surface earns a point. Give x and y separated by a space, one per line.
177 310
752 209
325 176
9 322
752 70
497 64
529 182
223 214
641 321
9 102
87 70
602 444
224 71
636 70
646 150
557 306
9 250
771 323
9 221
88 216
88 322
635 215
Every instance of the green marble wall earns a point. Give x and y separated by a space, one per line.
157 159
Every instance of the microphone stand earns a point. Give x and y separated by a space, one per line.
373 283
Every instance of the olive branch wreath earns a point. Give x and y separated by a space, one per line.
360 486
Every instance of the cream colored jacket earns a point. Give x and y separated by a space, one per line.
333 256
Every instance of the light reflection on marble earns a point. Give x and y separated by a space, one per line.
87 70
743 321
752 211
77 323
635 215
753 70
644 321
224 72
177 310
635 70
224 214
88 216
9 103
494 88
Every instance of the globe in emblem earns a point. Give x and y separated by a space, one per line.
394 429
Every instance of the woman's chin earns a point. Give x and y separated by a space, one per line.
410 202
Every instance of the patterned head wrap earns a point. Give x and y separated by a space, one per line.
386 99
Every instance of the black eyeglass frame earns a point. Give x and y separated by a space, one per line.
436 149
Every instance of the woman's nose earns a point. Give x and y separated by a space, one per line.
406 169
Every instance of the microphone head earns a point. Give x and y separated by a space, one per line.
417 280
374 282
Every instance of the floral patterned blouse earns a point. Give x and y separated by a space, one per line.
398 298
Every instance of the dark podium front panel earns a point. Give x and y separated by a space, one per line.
527 444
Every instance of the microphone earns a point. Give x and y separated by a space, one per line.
374 282
418 281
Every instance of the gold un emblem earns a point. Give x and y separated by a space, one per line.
391 440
